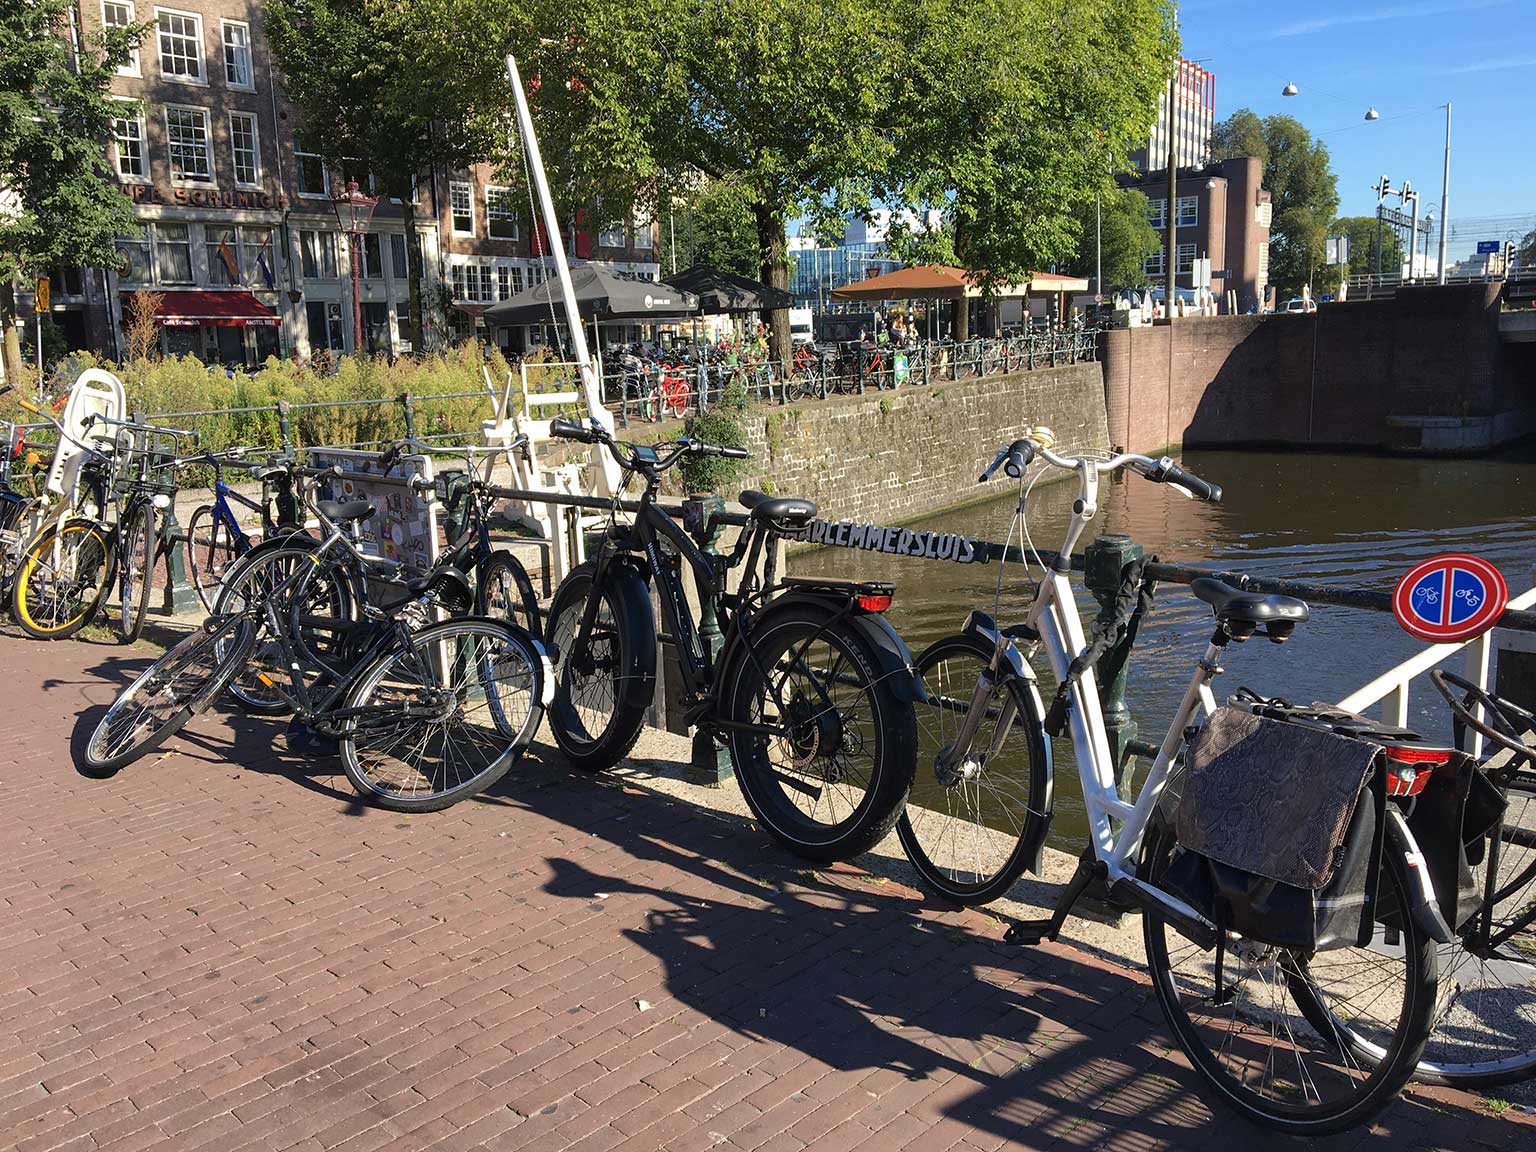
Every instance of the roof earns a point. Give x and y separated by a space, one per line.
945 281
234 308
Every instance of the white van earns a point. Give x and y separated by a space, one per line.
800 326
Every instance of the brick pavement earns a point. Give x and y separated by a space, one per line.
221 949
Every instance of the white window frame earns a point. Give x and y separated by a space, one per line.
213 172
201 80
1153 264
1157 212
135 66
1193 220
1181 265
509 215
250 54
117 160
643 240
234 161
469 193
299 153
605 236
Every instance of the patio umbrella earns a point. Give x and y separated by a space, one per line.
601 296
720 291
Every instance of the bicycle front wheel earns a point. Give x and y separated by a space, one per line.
211 553
1273 1030
444 718
135 572
504 592
165 696
61 579
828 779
972 824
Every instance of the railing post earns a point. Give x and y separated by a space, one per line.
408 404
285 427
711 762
1106 559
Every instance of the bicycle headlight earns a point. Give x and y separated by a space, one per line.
161 501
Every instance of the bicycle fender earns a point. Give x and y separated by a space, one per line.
1421 889
633 597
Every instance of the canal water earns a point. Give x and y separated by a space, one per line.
1345 519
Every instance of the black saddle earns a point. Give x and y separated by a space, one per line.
781 513
1249 609
343 511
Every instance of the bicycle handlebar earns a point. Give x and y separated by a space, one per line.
595 433
153 429
1017 456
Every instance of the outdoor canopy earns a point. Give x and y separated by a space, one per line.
946 282
233 309
601 295
720 291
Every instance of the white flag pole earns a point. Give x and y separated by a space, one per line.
591 381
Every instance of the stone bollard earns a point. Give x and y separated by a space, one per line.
1106 559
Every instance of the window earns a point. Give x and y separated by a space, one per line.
325 329
173 253
181 45
223 256
373 255
309 172
119 14
456 277
1153 264
242 143
317 252
1188 214
133 260
128 142
517 279
397 256
643 233
186 136
611 236
461 203
1156 213
503 282
472 283
1186 259
499 220
1263 262
237 54
260 259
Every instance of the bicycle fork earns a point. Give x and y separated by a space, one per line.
955 761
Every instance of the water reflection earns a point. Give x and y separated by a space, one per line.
1343 519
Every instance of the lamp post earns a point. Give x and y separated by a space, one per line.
1445 195
354 209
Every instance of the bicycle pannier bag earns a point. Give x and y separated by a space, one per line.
1450 822
1279 831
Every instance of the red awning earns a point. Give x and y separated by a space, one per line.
233 309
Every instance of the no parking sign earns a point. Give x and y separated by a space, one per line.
1449 598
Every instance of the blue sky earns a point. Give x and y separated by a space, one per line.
1405 58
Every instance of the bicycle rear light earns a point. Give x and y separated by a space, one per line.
874 601
1409 767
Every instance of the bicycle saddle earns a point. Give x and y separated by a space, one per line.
343 511
1233 604
786 513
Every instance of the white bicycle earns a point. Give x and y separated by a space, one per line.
1277 1031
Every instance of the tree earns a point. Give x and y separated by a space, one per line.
719 228
1362 232
1128 238
57 206
1525 251
1302 187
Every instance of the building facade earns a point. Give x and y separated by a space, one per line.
1189 121
240 234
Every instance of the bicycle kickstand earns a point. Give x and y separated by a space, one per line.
1028 932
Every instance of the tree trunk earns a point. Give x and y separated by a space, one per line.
960 319
412 272
12 339
773 255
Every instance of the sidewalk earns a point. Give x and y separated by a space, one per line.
221 948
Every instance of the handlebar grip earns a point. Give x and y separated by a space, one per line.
28 406
735 453
1171 473
386 459
570 430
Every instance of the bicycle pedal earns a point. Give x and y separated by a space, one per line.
1025 933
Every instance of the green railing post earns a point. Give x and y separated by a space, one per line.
711 763
1106 559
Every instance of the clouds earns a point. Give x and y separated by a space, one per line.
1495 65
1338 19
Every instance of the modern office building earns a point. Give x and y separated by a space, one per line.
1189 121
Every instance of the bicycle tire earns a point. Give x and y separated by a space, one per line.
1293 981
211 553
366 769
194 671
503 591
84 549
824 747
959 851
135 571
587 686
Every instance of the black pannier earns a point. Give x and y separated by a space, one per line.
1279 831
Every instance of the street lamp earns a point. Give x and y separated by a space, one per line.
354 210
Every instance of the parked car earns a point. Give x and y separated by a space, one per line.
1295 304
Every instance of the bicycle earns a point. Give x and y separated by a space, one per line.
427 714
20 511
215 538
804 381
1265 1025
810 690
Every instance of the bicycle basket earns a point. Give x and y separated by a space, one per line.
1279 832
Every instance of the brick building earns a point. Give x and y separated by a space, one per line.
240 232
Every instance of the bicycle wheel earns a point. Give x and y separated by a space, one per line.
592 720
165 696
429 727
972 832
830 783
1268 1031
135 571
61 579
504 592
211 553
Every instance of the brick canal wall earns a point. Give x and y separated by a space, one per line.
1425 371
889 457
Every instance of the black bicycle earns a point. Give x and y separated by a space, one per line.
810 689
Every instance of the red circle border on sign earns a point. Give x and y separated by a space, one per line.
1480 621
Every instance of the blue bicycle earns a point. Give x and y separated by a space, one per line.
215 539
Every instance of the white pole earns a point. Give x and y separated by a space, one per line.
1098 247
590 380
1445 194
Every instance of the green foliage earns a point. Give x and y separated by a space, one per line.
724 423
1361 231
721 230
1127 238
1525 251
1301 183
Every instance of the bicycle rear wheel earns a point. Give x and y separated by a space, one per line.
211 553
971 833
61 579
504 592
166 695
431 726
135 571
1269 1030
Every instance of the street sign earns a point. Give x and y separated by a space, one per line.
1336 250
1449 598
1487 247
40 299
1393 216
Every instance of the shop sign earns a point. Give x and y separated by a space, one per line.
198 197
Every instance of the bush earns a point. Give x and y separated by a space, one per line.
724 423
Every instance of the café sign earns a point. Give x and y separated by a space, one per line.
180 196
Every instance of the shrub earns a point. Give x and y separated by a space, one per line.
725 423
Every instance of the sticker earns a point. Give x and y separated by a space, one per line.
1449 598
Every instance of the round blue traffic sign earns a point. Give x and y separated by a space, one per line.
1449 598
